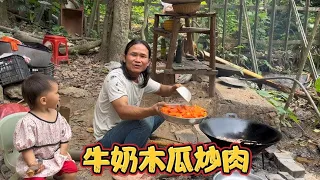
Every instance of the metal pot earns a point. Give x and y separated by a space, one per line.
236 176
254 135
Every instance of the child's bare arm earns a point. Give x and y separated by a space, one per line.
29 157
64 149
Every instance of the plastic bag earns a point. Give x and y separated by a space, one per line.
10 108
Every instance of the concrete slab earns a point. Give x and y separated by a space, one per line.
290 166
269 151
274 177
285 175
282 155
202 138
186 136
245 102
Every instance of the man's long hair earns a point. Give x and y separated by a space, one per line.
145 75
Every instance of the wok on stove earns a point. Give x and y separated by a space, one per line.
255 136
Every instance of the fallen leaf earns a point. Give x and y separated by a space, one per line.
90 130
303 143
316 130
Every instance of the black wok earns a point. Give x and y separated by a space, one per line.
256 136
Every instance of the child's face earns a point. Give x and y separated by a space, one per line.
52 97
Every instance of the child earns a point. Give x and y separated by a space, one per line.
43 134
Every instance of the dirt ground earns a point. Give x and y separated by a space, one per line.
90 76
87 75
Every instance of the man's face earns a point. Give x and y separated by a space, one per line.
137 59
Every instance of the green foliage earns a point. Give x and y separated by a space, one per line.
278 99
59 30
317 85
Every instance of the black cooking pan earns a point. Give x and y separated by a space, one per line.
255 136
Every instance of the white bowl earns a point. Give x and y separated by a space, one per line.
235 176
185 93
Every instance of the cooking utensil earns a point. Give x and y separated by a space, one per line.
233 81
185 93
235 176
254 135
183 121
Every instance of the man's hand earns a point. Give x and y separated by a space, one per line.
175 87
156 107
167 90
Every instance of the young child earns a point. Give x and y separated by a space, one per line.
43 134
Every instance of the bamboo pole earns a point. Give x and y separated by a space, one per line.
240 28
271 30
252 47
304 38
304 59
224 26
287 32
255 24
270 83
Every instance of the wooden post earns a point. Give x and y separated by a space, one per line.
155 47
189 38
212 65
170 78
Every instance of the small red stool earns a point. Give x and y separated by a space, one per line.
55 42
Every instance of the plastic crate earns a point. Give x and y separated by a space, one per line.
13 69
39 54
49 70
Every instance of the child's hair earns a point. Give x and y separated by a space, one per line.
35 86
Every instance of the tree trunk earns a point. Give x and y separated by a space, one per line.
94 9
145 21
4 20
115 31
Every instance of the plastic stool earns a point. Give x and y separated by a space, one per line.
56 41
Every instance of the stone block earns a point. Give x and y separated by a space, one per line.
290 166
262 174
186 136
282 155
269 151
274 177
286 175
202 138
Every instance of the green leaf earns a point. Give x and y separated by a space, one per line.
281 110
317 85
274 102
293 117
264 93
316 130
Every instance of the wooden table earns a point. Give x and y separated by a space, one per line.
186 67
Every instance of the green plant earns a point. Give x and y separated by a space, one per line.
59 30
317 85
278 99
